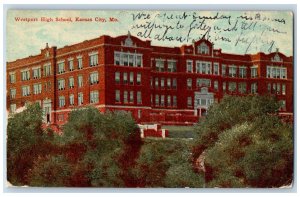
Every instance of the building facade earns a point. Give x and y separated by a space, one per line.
169 85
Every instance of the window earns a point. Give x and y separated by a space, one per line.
61 67
125 96
125 59
169 101
131 99
80 98
80 65
274 88
203 49
254 72
157 100
130 57
162 100
13 108
125 79
174 101
139 97
174 83
80 81
71 99
283 89
159 65
232 87
139 62
232 71
283 73
162 83
189 83
71 82
224 86
94 97
203 67
269 71
172 66
169 83
36 73
269 87
242 72
25 90
278 73
138 78
48 86
254 88
25 75
37 88
94 78
62 101
242 87
216 68
203 82
117 58
60 117
12 77
117 77
94 59
189 66
47 70
71 64
224 70
216 85
61 84
278 88
189 102
283 104
117 96
13 93
131 78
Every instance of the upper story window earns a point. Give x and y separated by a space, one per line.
94 96
13 108
189 102
117 96
138 78
162 83
242 72
253 88
62 101
128 59
37 88
174 84
117 77
232 71
25 75
131 78
189 83
139 97
12 77
71 64
276 72
254 72
47 70
203 48
71 82
36 72
61 67
232 86
61 84
203 67
216 68
189 66
80 98
160 65
242 87
93 58
80 81
94 78
125 78
79 61
71 99
13 93
172 66
25 90
203 82
224 69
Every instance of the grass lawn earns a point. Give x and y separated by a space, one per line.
180 131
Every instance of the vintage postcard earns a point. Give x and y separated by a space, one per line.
150 99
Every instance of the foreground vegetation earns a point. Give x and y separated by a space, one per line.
241 143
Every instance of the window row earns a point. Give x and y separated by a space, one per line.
164 82
276 88
94 98
124 76
160 65
164 100
93 79
276 72
128 96
241 87
128 59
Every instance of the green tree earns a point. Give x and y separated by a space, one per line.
245 144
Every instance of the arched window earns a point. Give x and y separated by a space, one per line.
203 48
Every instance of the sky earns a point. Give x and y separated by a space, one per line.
237 32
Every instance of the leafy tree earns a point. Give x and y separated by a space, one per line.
25 141
245 144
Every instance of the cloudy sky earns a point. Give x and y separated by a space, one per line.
234 32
